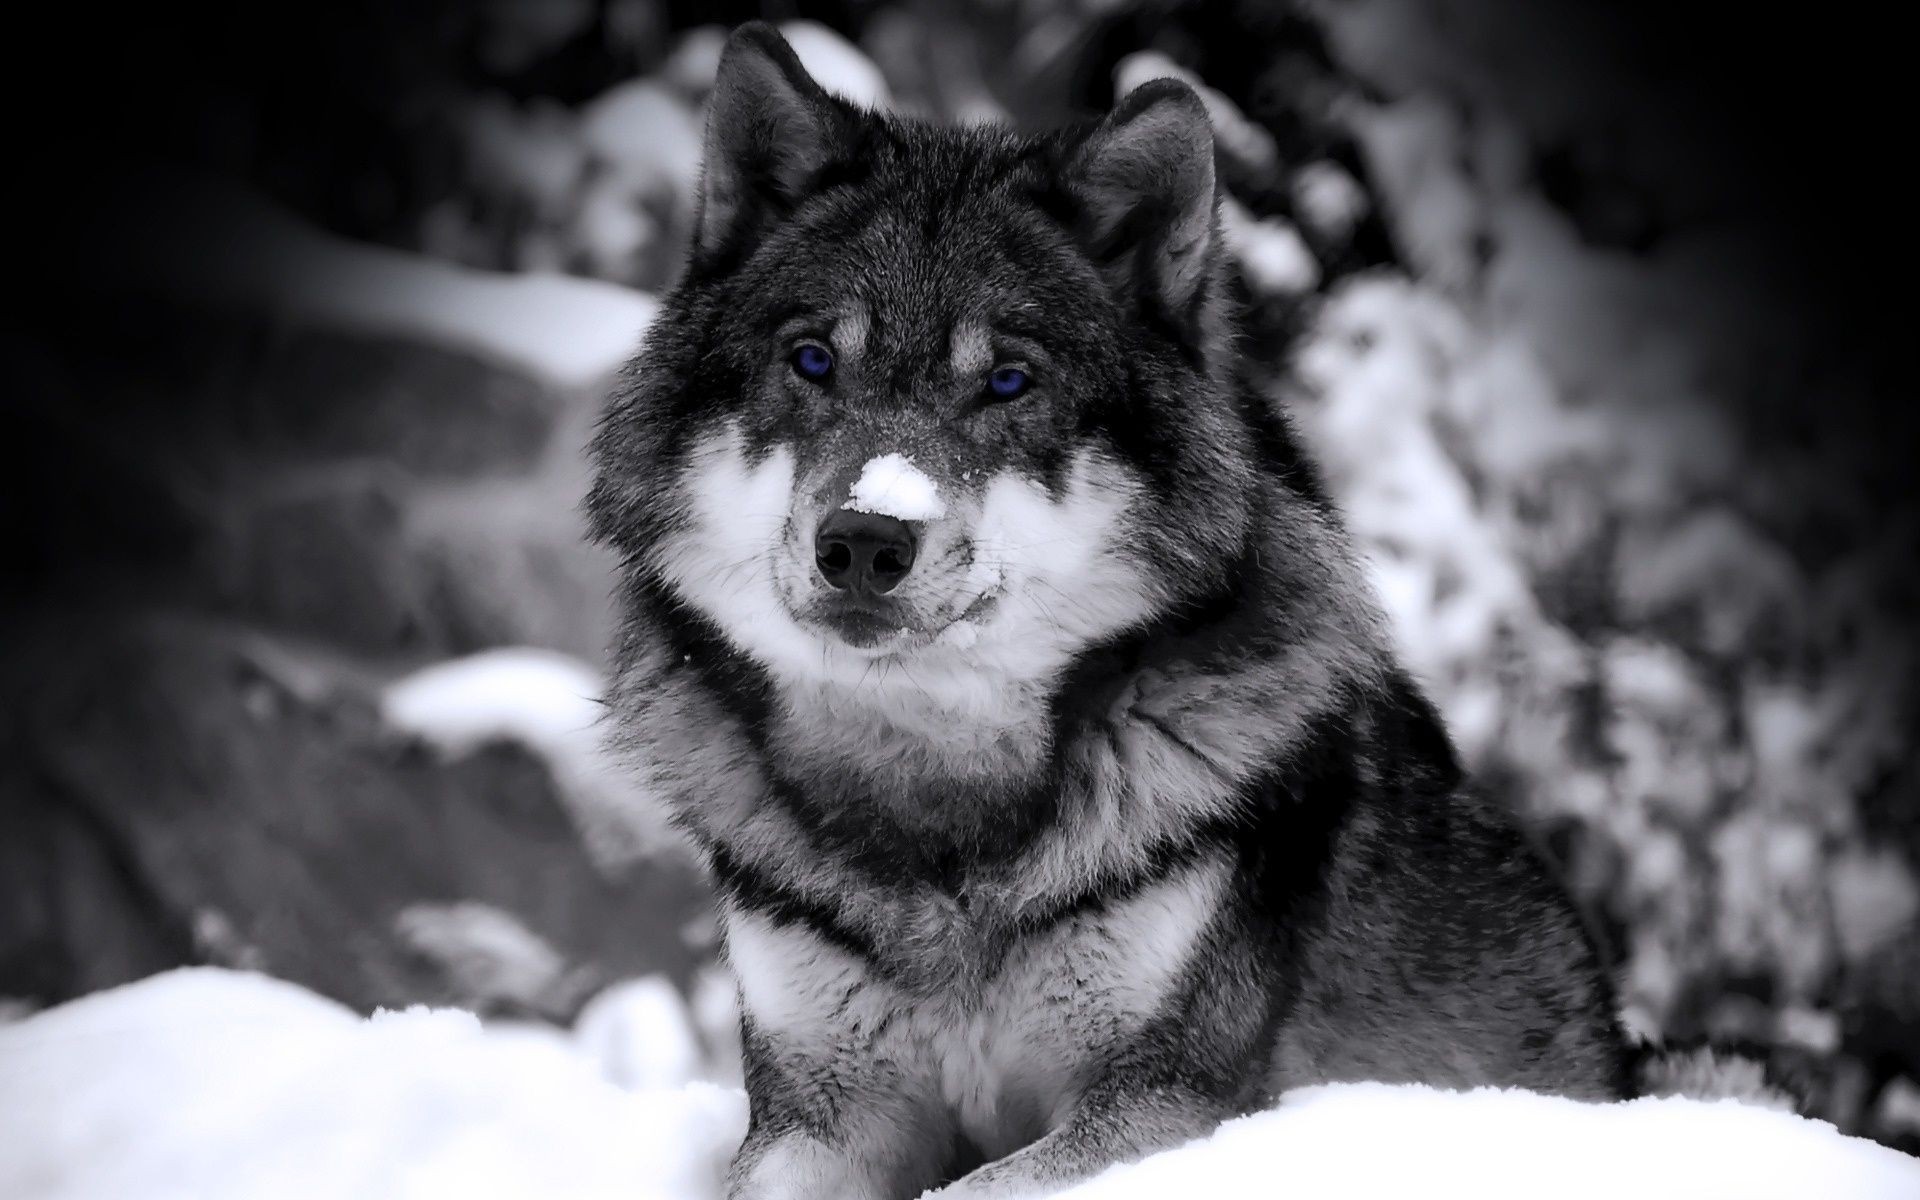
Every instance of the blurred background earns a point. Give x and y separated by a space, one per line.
1592 315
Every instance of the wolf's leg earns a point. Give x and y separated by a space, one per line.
799 1166
824 1130
1111 1126
873 1151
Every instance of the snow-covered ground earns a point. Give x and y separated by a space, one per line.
221 1085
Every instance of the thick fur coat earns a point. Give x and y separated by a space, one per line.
1091 807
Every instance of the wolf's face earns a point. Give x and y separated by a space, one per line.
933 404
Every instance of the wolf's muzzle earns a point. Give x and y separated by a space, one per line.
863 554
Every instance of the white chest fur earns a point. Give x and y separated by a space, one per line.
1000 1066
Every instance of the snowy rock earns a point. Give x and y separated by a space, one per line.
1414 149
647 135
253 779
430 410
503 563
542 699
394 495
1377 360
323 553
1875 899
1773 910
1330 200
1899 1108
549 703
213 244
696 59
1272 254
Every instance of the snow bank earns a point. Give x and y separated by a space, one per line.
545 699
218 245
216 1084
1361 1140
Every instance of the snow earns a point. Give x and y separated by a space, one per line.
1329 199
1414 150
696 59
642 1034
891 486
215 1084
221 1084
837 64
1362 1140
542 698
1874 900
1273 255
226 247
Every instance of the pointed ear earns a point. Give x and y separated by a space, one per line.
770 128
1144 179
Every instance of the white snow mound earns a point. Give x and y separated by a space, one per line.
890 486
221 1085
544 699
218 1084
1373 1139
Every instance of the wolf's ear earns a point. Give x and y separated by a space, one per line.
1144 179
770 128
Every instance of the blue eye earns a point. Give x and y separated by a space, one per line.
1007 382
812 360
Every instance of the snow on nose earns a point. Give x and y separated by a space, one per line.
890 486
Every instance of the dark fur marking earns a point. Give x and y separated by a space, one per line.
757 892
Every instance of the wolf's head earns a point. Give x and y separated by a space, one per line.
933 409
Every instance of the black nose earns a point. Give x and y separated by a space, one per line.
863 553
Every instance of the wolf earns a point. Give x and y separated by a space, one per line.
997 646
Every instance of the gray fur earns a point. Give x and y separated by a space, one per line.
1117 817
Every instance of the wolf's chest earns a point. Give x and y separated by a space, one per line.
995 1053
